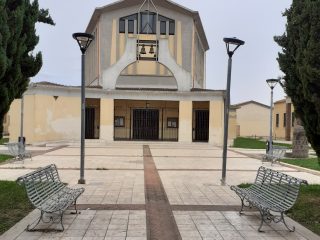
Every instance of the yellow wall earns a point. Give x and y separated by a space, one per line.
46 118
253 120
14 115
232 131
185 121
6 121
106 119
216 122
280 131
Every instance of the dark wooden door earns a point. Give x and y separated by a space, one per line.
145 124
201 125
90 117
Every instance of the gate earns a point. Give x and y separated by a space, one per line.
90 117
201 126
146 124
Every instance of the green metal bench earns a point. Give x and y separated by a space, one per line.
278 152
18 151
48 194
273 193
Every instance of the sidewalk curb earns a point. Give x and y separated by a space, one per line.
314 172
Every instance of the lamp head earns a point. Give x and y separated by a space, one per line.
232 44
84 40
272 82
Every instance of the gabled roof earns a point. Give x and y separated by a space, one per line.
250 102
280 101
164 3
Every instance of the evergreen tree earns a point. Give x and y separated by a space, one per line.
300 61
17 41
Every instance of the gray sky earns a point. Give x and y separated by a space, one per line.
254 21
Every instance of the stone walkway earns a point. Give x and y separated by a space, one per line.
140 191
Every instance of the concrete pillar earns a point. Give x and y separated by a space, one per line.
216 109
107 119
185 121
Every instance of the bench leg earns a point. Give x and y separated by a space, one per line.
262 220
242 205
51 219
284 222
29 229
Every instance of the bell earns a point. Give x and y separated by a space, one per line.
143 50
151 50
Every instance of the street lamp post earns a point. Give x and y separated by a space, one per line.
232 44
272 83
84 40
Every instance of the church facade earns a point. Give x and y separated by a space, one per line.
145 78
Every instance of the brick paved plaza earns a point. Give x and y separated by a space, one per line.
139 191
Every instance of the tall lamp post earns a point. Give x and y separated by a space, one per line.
272 83
84 40
232 44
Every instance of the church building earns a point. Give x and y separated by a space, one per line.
145 80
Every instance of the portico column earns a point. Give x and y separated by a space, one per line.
107 119
185 121
216 122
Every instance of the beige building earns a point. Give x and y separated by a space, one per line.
253 119
283 119
145 76
6 122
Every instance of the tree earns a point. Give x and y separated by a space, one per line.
17 41
300 61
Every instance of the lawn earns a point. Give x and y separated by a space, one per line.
241 142
4 158
14 204
311 163
4 140
306 211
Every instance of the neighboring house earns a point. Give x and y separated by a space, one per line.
253 119
145 77
232 133
6 122
283 119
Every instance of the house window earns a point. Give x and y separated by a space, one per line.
172 123
119 121
277 120
293 119
284 120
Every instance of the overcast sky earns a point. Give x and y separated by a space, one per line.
254 21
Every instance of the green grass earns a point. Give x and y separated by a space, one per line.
14 204
4 158
311 163
4 140
306 210
241 142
